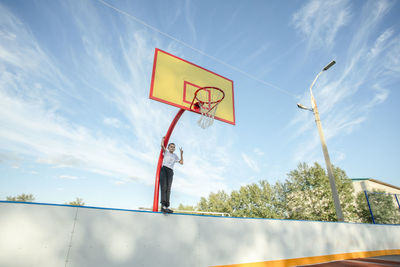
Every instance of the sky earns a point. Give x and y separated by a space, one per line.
76 119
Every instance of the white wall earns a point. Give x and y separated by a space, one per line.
48 235
371 185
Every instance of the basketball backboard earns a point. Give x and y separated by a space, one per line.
175 80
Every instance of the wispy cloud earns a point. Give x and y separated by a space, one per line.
258 152
31 130
32 124
380 44
40 121
381 94
320 21
68 177
189 16
256 54
345 101
22 59
114 122
251 163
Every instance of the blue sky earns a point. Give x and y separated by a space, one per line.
76 119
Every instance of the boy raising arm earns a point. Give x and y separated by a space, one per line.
167 173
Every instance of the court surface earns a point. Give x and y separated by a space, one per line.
389 260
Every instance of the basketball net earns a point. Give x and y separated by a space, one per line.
208 99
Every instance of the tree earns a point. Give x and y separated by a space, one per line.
382 205
77 202
22 198
186 207
308 194
216 202
305 195
254 200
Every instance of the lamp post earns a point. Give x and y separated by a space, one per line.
314 109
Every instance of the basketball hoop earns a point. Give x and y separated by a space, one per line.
206 101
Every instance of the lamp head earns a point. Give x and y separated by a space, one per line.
303 107
329 65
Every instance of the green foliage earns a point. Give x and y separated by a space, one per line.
77 202
216 202
308 194
22 197
186 207
254 200
383 207
305 195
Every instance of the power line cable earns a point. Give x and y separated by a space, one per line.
197 50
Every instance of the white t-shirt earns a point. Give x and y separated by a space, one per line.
169 159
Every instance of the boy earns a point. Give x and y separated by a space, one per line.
167 173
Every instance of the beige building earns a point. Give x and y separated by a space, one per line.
369 184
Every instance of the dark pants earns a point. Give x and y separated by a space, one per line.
166 175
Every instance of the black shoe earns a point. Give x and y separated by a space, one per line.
169 210
164 209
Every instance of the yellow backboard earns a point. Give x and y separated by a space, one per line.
175 80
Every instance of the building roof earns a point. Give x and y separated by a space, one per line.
375 181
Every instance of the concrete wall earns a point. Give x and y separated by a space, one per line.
55 235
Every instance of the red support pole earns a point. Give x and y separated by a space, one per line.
161 157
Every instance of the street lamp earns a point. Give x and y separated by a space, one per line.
304 107
314 109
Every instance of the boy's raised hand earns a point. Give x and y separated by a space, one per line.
162 143
181 150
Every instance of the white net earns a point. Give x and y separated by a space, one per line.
207 116
209 99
